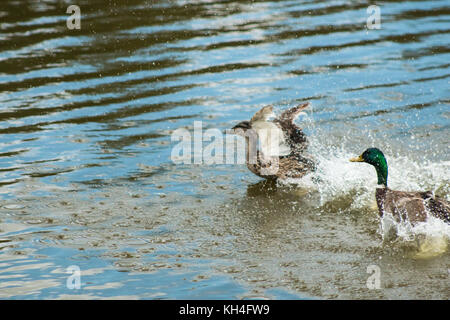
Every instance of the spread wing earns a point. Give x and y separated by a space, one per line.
291 114
263 115
271 138
294 134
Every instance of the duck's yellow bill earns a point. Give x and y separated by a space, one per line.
357 159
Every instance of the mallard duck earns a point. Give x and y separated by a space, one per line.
281 144
403 206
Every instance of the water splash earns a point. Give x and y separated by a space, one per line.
428 239
347 186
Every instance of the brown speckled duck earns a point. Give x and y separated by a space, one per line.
403 206
275 148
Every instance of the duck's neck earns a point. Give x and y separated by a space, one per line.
382 171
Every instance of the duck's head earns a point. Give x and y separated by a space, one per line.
241 128
376 158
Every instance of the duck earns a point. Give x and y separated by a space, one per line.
413 207
275 149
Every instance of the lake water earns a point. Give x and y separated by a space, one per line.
87 180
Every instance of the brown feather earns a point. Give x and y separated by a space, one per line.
294 134
411 206
291 114
293 165
262 114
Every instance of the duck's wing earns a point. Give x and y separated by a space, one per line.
272 141
404 206
263 115
436 206
291 114
294 134
412 206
